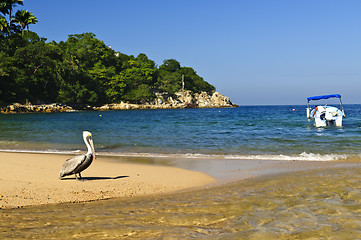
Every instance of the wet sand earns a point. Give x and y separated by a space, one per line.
33 179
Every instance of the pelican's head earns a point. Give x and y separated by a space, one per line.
87 134
88 139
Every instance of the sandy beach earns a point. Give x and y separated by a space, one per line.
33 179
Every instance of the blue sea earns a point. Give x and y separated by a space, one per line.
246 132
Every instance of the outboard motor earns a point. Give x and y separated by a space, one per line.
329 116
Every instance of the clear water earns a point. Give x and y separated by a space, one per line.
247 132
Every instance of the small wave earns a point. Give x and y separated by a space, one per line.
51 151
280 157
300 157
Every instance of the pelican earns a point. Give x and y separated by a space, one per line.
78 164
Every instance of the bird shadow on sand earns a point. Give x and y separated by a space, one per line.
95 178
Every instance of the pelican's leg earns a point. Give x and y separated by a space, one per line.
79 178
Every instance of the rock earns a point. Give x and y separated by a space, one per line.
219 99
102 108
46 108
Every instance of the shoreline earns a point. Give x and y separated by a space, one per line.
28 179
56 107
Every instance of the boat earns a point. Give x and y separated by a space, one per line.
324 115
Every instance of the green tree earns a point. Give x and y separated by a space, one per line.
24 18
89 65
3 8
170 65
116 88
140 75
9 91
169 78
7 6
140 94
39 66
3 24
101 76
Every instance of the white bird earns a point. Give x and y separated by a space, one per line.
78 164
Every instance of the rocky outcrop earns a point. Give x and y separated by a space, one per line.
179 100
44 108
162 101
216 100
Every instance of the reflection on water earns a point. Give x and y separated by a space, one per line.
304 205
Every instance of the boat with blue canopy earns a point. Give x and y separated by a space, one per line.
324 115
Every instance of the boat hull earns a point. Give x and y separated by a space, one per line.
327 116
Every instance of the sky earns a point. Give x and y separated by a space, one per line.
257 52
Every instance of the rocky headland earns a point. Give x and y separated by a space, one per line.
162 101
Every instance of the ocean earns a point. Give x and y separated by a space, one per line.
321 203
246 132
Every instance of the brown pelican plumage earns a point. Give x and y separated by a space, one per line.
78 164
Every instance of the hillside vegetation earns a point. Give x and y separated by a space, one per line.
85 70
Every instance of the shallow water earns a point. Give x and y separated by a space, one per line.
318 204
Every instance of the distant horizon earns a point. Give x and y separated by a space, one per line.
314 102
254 52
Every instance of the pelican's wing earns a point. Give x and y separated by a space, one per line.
71 164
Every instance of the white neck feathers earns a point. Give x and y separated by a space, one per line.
88 142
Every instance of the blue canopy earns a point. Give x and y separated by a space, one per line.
324 97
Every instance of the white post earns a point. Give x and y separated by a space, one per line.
183 86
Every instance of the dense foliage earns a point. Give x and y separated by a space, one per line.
80 70
84 70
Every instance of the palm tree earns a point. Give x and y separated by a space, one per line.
24 18
3 8
3 11
3 24
6 7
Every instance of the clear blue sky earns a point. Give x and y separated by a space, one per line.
254 51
